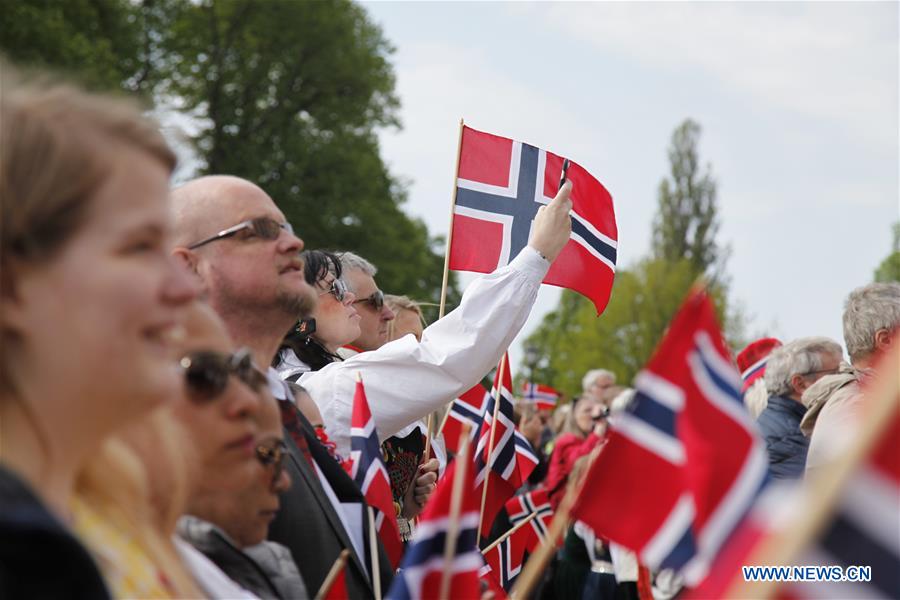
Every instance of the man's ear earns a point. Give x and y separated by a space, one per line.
799 384
883 340
187 259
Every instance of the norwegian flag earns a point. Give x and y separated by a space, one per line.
507 558
465 410
701 464
370 474
520 507
500 185
512 459
543 396
422 567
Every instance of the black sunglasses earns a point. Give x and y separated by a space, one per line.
206 373
376 300
272 454
261 227
338 289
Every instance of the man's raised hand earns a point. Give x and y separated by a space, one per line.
552 225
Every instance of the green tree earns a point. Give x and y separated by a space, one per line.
686 222
292 94
105 44
889 269
645 299
287 94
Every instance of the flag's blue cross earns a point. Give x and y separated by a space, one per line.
523 208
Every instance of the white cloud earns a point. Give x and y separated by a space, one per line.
836 61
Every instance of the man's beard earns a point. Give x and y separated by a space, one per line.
299 305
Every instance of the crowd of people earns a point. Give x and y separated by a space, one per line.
178 377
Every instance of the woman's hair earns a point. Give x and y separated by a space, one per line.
56 142
317 265
115 484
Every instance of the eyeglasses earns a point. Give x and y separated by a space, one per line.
272 454
376 300
206 373
338 289
261 227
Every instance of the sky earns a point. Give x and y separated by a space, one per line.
798 104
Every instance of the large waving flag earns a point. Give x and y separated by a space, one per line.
501 183
423 565
543 396
465 410
683 465
370 474
512 459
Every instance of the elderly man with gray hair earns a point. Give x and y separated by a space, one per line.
790 371
597 381
871 319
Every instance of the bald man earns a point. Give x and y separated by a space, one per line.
233 237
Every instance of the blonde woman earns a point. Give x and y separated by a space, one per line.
91 304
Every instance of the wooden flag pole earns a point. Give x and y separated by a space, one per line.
490 448
514 529
333 573
446 279
373 549
456 497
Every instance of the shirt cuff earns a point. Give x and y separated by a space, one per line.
530 262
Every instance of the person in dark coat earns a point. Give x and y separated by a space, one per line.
791 369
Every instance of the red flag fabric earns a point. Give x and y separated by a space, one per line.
520 507
465 410
423 565
490 583
338 589
506 464
370 474
684 464
507 558
501 183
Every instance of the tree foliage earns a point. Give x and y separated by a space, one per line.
287 94
889 269
686 221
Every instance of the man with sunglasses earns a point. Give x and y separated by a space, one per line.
374 313
235 239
